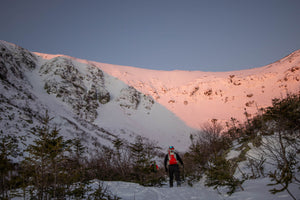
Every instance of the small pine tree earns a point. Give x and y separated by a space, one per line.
140 159
44 158
285 112
8 150
143 152
283 149
121 155
221 173
78 171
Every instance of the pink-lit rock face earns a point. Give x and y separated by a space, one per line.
100 101
197 97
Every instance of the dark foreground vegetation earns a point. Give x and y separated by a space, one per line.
275 131
53 167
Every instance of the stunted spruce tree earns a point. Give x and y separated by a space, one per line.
44 160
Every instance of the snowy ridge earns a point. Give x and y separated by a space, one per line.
124 101
85 101
196 97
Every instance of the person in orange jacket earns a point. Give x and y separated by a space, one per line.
171 165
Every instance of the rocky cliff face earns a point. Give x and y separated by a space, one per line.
73 94
82 91
99 102
197 97
17 102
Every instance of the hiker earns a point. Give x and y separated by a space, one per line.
171 165
153 167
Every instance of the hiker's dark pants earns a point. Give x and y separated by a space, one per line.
174 170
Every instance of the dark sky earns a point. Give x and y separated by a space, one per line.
206 35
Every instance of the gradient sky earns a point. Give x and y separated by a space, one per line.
206 35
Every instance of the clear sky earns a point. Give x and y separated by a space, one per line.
206 35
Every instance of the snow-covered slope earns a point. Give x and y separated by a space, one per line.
85 101
100 102
196 97
254 190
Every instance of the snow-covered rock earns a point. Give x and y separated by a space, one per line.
121 101
84 101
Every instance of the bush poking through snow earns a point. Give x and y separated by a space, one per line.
274 134
220 172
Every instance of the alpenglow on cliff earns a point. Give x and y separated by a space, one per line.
101 102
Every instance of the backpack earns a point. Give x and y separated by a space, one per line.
172 158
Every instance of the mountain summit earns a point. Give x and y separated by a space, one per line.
196 97
101 102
